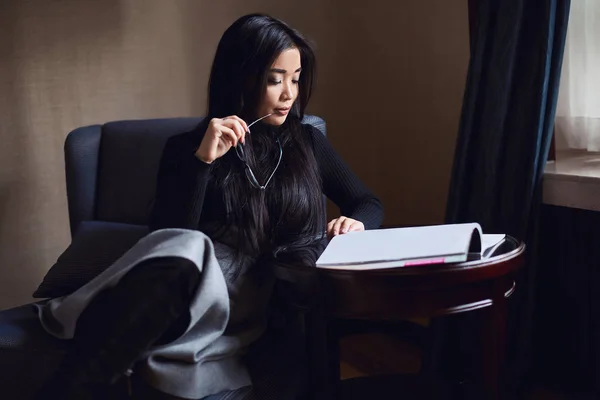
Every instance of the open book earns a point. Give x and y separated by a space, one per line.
400 247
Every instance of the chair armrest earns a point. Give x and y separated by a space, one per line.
82 148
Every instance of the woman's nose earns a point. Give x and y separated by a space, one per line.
288 91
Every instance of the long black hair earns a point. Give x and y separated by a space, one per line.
289 212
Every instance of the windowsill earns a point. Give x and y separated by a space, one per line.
573 180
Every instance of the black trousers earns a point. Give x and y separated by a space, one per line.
149 306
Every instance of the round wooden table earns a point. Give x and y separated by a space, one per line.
401 293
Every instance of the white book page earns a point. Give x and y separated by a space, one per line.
489 242
384 245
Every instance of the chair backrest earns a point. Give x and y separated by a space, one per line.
111 169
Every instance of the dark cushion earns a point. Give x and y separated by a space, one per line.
95 246
130 153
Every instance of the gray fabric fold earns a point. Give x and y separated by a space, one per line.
225 316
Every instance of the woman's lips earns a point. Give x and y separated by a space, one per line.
282 111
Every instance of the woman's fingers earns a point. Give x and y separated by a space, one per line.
343 225
338 225
228 135
242 123
236 126
333 227
221 134
346 225
356 226
330 225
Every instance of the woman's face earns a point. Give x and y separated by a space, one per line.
282 87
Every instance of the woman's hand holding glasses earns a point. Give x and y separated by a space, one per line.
220 136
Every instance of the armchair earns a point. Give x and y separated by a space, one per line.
110 173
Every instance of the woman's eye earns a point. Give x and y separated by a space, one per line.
277 82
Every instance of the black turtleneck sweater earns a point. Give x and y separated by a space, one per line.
183 182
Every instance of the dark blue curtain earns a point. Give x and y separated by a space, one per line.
508 112
505 132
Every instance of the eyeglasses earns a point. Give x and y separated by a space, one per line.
239 150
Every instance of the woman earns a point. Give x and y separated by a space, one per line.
251 177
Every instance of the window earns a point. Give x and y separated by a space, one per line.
578 112
572 179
